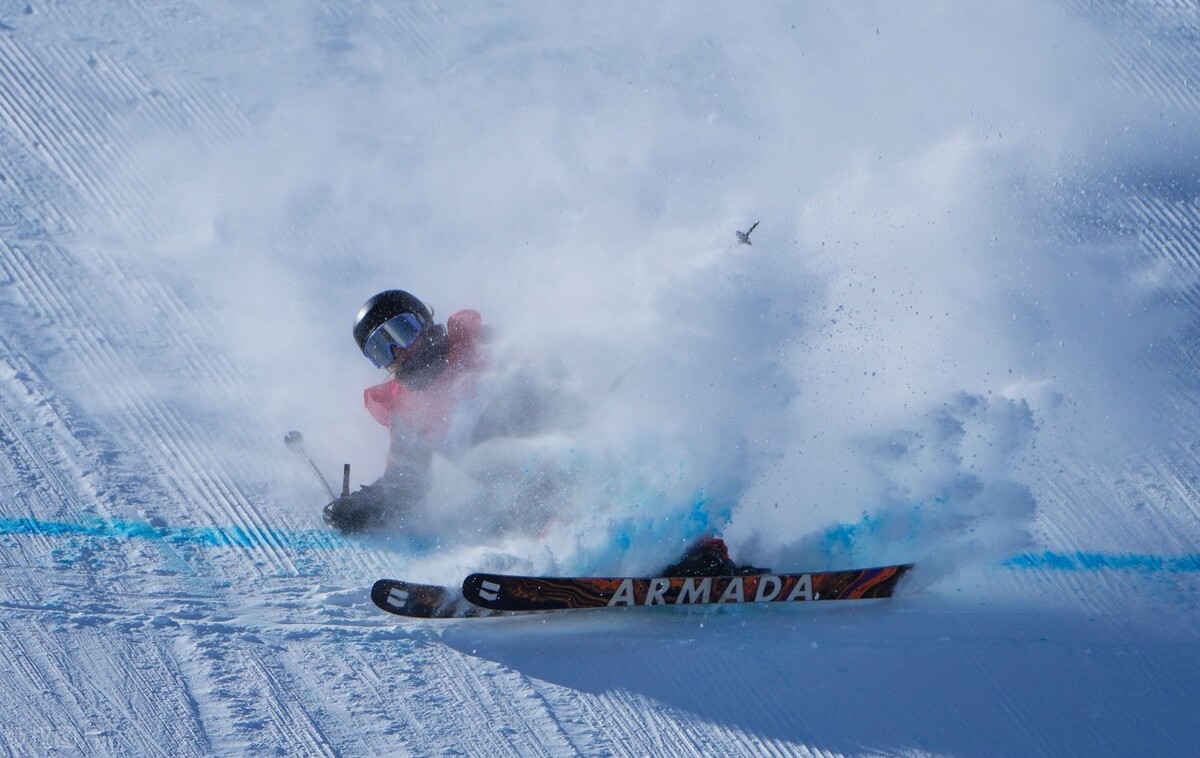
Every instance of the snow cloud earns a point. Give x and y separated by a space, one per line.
903 345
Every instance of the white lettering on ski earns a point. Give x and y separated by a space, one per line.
734 592
765 595
694 591
624 594
658 587
698 590
397 598
803 589
489 591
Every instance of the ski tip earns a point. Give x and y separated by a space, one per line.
422 601
407 599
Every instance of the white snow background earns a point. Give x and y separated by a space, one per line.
965 335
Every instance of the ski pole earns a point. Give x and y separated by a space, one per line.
295 441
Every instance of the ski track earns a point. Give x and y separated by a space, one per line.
165 648
160 711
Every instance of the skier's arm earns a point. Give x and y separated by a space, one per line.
409 463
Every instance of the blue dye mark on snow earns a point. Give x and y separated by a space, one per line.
210 536
651 523
888 533
694 522
882 533
1141 563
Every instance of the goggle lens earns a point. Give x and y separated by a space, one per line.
399 331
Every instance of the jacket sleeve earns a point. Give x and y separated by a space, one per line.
465 324
381 400
465 330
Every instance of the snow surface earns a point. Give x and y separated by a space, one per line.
965 335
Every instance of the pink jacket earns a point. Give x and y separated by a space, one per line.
428 410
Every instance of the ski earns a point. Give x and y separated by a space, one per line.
485 595
427 601
499 592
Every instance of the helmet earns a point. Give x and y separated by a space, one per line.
382 308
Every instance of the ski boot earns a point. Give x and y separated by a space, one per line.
709 556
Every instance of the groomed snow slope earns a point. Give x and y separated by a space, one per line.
965 335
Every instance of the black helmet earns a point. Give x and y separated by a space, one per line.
384 307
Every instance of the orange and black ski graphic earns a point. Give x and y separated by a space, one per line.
499 592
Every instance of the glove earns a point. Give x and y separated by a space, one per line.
372 507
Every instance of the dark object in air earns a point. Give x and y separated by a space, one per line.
744 237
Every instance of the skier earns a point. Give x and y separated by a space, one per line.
432 366
432 369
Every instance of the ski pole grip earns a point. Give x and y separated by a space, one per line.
345 480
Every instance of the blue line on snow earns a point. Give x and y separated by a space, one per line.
315 539
1142 563
215 536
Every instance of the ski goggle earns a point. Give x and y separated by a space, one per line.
399 331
